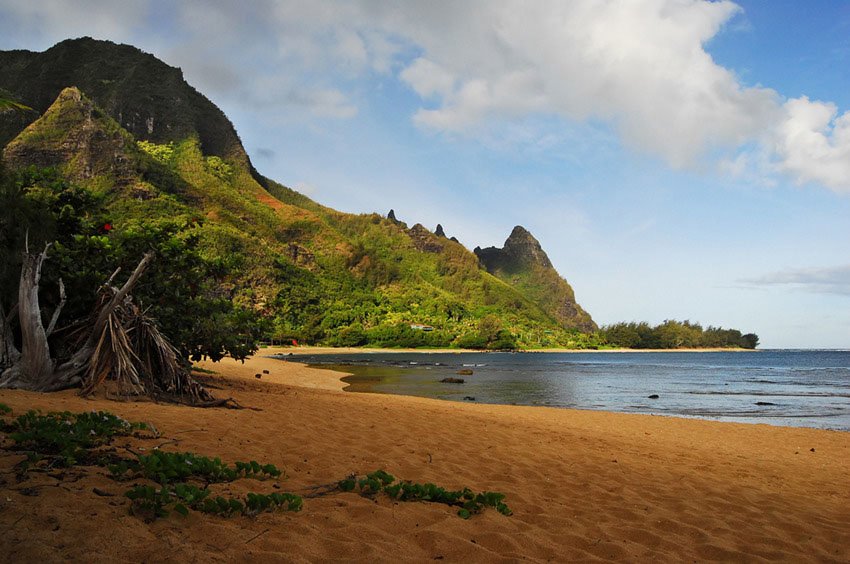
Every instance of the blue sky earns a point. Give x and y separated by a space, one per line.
676 158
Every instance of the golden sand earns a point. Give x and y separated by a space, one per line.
583 485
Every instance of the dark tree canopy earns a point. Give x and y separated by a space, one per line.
674 335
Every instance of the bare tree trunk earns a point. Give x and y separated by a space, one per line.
36 366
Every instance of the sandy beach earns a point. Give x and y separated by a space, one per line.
583 485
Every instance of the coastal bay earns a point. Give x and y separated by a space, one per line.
798 388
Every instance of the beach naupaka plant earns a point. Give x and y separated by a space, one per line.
468 502
64 439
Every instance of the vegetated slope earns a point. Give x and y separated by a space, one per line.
318 274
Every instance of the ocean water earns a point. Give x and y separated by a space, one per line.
806 388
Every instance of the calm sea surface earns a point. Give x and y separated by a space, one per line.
780 387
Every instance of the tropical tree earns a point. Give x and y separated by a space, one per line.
96 330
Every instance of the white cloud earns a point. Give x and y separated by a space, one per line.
639 66
812 143
428 78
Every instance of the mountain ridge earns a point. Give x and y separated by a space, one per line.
321 275
128 84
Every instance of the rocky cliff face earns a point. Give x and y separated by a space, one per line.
522 263
147 97
521 251
424 240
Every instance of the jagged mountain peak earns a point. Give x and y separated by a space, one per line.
525 248
521 250
523 263
75 135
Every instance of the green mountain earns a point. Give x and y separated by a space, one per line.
127 127
523 264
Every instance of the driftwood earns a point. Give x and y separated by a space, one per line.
117 343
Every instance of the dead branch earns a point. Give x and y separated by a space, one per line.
9 354
62 298
258 535
112 277
118 342
125 289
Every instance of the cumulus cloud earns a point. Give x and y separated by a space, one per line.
830 280
812 143
638 66
428 78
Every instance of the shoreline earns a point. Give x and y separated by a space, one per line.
305 350
583 485
340 378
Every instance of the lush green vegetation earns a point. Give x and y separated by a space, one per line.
675 335
197 289
183 291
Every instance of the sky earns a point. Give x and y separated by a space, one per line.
677 159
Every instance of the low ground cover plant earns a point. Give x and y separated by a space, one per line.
183 479
468 502
69 439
